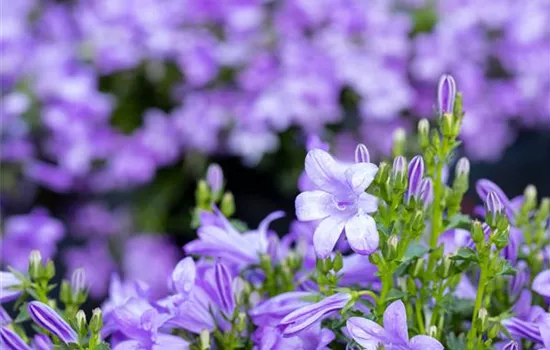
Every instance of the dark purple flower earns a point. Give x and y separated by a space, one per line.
224 288
446 93
394 334
47 318
42 342
426 192
8 280
484 187
415 176
341 202
11 340
306 316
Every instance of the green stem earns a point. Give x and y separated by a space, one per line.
387 282
419 319
437 215
477 305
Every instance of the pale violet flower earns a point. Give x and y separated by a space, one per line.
393 336
541 283
340 201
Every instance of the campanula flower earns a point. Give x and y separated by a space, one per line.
340 202
47 318
541 283
393 336
11 340
7 281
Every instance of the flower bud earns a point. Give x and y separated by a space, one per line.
418 270
391 249
78 281
398 172
399 139
383 173
375 259
47 318
204 340
417 222
35 264
241 322
65 294
227 205
444 269
12 340
447 125
223 288
214 177
511 345
362 154
96 323
202 195
530 195
80 322
482 319
424 133
50 270
494 331
427 192
432 331
415 175
446 94
338 262
493 208
478 236
462 167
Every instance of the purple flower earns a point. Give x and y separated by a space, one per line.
306 316
47 318
5 318
183 276
493 204
150 258
426 192
193 313
393 336
8 280
416 173
484 187
222 240
273 310
25 233
271 338
398 168
214 177
341 202
511 345
11 340
446 93
362 154
541 283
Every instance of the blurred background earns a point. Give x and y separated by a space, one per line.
112 109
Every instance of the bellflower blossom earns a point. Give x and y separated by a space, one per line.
393 336
47 318
341 202
541 283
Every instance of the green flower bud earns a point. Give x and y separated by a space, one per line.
65 294
50 270
383 174
444 269
477 232
338 262
423 133
436 139
418 270
227 205
544 210
202 195
494 331
432 331
530 195
80 323
375 259
35 265
241 322
399 139
204 340
417 222
390 251
96 323
482 319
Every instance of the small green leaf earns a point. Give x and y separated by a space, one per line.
456 343
465 254
415 250
394 295
23 314
459 220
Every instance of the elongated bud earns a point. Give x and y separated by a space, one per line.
427 192
224 290
391 252
362 154
417 222
424 133
418 269
399 139
202 195
478 235
35 264
78 281
494 331
11 340
444 269
241 322
530 195
42 342
416 173
432 331
50 270
446 94
462 167
227 205
482 319
204 340
399 175
96 323
511 345
47 318
544 210
383 173
493 204
5 318
214 177
81 326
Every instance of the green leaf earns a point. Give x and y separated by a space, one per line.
415 250
505 269
239 225
459 220
456 343
394 295
465 254
23 314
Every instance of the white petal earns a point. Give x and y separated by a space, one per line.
366 333
326 235
362 234
368 203
395 321
314 205
359 176
325 172
423 342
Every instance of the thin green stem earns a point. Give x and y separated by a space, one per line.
478 304
419 318
387 282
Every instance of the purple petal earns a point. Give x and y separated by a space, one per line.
424 342
326 173
541 283
359 176
223 288
416 173
368 203
47 318
523 305
395 321
5 318
183 276
306 316
264 226
523 329
362 234
172 342
314 205
214 177
446 93
42 342
362 154
326 235
367 333
484 186
281 305
129 345
544 328
12 340
7 280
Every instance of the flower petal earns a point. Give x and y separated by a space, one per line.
8 279
424 342
183 276
47 318
359 176
223 280
362 234
314 205
395 321
325 172
168 341
366 333
541 283
368 203
11 340
326 235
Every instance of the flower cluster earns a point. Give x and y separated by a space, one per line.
380 256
